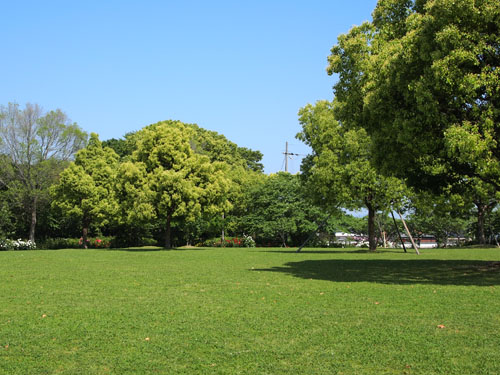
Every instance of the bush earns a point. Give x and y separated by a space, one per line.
125 241
60 243
6 244
245 241
101 242
97 242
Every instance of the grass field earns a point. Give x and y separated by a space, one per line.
250 311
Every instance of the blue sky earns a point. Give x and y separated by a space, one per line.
243 69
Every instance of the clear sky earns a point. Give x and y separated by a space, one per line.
243 69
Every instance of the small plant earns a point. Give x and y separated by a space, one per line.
4 244
97 243
247 241
19 244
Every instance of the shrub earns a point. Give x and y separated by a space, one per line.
245 241
60 243
97 242
6 244
130 241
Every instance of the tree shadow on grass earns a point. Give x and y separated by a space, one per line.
357 251
442 272
155 248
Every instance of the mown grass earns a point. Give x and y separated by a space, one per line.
249 311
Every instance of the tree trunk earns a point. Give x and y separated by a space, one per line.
283 239
33 219
168 241
372 242
481 218
223 237
85 234
382 233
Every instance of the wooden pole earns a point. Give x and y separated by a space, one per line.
286 157
408 231
397 230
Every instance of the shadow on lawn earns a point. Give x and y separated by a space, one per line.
147 249
339 251
444 272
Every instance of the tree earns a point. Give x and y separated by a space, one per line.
122 146
278 211
35 148
423 80
484 197
240 165
183 183
86 188
338 173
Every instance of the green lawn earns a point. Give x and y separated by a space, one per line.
250 311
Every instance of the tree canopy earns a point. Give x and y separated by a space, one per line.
423 80
35 147
183 183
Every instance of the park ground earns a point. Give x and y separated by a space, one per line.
250 311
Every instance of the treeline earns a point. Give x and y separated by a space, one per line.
169 183
413 130
174 184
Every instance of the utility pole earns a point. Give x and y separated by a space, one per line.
286 156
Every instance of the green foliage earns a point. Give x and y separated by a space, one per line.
181 184
339 173
60 243
6 244
278 211
34 147
243 241
442 216
122 146
85 190
218 148
348 224
423 79
135 211
7 224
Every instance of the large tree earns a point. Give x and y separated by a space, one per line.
339 173
86 189
35 147
183 184
241 166
424 80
